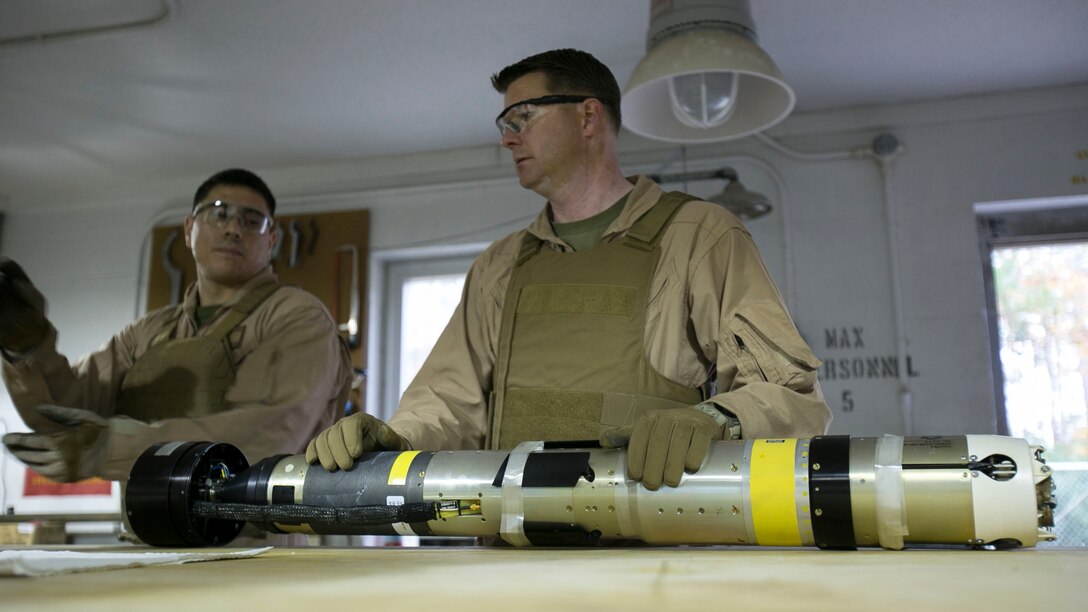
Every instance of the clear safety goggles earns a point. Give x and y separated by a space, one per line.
251 220
519 115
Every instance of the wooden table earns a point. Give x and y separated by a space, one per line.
448 579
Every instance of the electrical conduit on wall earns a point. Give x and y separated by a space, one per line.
883 149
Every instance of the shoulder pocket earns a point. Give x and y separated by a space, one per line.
771 349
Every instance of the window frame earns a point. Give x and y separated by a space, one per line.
1021 223
389 270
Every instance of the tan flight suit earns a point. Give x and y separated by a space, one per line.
187 377
710 317
266 374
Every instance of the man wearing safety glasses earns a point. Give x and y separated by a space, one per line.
242 359
622 314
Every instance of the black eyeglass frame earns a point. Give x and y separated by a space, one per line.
544 101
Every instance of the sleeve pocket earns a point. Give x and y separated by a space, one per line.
770 348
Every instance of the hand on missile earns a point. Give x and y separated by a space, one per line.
70 454
22 309
340 445
663 443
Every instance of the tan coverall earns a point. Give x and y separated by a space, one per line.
292 379
713 315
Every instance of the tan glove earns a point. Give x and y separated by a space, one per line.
22 310
663 443
71 454
340 445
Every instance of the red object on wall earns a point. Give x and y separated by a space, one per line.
36 484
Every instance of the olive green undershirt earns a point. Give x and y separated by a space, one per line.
587 233
203 314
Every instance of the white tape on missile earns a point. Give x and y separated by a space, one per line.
891 510
512 525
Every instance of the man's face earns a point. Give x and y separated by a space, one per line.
228 254
546 150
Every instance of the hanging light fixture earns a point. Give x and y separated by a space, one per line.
704 78
734 197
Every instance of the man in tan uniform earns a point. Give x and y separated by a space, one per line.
242 359
622 313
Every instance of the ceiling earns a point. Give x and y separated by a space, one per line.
276 83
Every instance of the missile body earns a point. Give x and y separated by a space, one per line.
833 492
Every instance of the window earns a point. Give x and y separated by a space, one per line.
425 308
419 292
1036 272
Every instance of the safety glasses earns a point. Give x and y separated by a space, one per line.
519 115
219 213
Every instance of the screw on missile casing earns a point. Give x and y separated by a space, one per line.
679 510
422 473
702 510
974 474
1045 469
974 457
818 512
736 511
965 474
611 472
816 467
570 509
733 467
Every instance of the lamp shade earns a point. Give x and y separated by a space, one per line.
741 202
760 97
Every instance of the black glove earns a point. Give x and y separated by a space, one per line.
22 310
340 445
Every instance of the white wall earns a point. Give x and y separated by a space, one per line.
827 241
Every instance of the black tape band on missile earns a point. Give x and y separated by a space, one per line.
833 492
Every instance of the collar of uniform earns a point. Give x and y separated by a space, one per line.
641 199
189 303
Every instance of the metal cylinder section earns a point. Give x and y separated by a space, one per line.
165 482
832 492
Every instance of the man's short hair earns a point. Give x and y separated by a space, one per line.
568 71
239 178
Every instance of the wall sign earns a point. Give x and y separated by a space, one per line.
851 360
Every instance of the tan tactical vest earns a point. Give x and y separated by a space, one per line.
187 376
571 360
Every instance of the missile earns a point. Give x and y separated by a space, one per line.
831 492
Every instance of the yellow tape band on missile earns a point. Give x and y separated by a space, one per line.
774 510
398 474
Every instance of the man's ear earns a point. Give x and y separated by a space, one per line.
188 231
273 236
594 117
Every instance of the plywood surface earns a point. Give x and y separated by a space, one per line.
453 579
